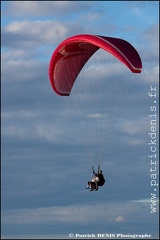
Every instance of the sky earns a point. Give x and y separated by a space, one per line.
45 159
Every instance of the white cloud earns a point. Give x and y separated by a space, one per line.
22 70
79 214
135 131
150 45
119 219
44 8
152 36
138 12
33 33
142 201
14 54
42 236
133 127
151 75
95 115
49 132
35 125
28 126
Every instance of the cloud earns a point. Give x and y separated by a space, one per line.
142 201
45 167
42 236
32 34
133 127
119 219
80 214
47 8
150 75
151 35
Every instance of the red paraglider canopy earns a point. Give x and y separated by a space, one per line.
71 55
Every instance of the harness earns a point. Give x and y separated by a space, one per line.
95 179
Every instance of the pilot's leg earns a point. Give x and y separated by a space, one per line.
96 186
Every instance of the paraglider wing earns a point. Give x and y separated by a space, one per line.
72 54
